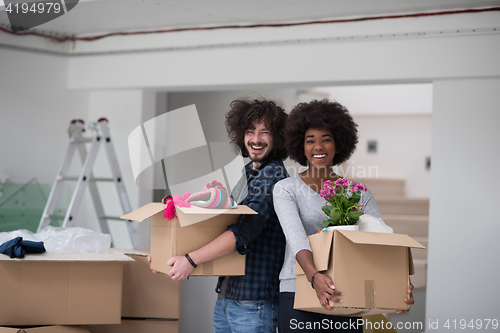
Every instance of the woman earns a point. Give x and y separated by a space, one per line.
320 134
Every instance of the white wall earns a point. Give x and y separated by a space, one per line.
287 65
464 227
403 143
383 99
35 111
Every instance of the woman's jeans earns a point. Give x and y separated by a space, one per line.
291 320
232 316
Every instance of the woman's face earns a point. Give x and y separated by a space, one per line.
319 148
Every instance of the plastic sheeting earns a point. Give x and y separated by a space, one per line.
64 240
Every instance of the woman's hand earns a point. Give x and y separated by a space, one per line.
410 300
322 284
326 292
181 268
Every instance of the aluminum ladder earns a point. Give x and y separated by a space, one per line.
86 178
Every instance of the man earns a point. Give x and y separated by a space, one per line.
249 303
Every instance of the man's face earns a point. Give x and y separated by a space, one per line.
259 142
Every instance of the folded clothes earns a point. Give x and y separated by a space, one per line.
17 247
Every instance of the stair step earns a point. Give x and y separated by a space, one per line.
380 186
411 225
402 206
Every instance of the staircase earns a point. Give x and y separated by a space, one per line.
408 216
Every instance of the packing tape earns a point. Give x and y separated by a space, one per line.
369 294
208 268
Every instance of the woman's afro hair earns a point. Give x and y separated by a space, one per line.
322 114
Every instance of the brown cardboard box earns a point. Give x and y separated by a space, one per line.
45 329
138 326
371 269
148 295
61 289
193 228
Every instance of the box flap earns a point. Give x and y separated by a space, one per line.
142 253
321 245
69 257
56 329
376 238
144 212
195 214
411 268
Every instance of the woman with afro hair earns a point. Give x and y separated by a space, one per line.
320 135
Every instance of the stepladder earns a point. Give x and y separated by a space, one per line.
78 142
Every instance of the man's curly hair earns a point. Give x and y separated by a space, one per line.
244 113
322 114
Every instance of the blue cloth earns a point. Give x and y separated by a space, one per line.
265 250
232 316
17 247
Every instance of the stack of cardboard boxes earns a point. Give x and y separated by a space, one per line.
150 302
53 289
115 292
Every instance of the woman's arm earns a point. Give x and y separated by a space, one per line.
323 285
296 237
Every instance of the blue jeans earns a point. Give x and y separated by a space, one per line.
232 316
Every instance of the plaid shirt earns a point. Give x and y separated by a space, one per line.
265 254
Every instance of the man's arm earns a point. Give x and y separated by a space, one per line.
238 235
222 245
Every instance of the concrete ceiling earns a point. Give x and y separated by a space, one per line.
101 16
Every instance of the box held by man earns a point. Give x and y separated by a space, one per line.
193 228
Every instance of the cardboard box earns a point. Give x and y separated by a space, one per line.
148 295
371 269
138 326
194 228
61 289
45 329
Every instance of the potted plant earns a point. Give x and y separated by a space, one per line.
342 203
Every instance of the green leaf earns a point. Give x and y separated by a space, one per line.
326 223
345 202
327 209
354 215
354 199
335 215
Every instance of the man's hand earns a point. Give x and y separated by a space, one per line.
410 300
326 292
181 268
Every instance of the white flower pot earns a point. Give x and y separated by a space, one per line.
344 227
